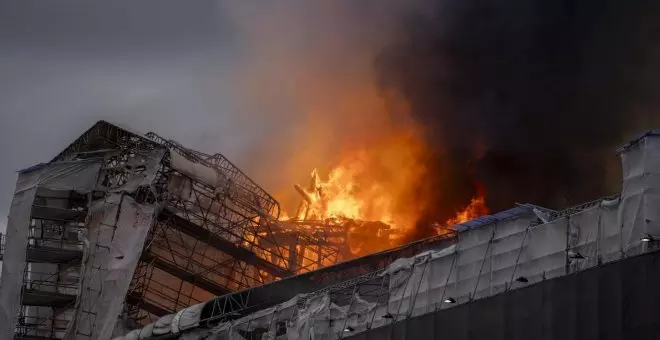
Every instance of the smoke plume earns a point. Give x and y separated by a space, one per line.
520 101
307 78
527 98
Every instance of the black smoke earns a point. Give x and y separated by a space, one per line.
528 98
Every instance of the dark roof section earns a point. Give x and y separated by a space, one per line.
521 210
270 294
627 146
103 134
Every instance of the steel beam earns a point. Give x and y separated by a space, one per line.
222 244
185 275
56 214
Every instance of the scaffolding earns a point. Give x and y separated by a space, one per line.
211 240
53 257
201 228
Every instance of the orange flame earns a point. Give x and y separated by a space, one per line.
476 208
376 182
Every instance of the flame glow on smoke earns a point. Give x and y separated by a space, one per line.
308 80
377 181
373 182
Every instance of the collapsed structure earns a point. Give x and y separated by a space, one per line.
491 256
122 231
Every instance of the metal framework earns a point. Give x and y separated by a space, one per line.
52 274
338 278
556 215
214 242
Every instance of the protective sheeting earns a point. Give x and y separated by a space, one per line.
504 255
318 318
18 227
495 256
163 325
80 176
202 173
117 229
132 335
641 193
139 170
264 324
146 331
180 187
220 332
615 301
187 318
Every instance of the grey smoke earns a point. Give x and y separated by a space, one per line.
529 98
507 90
219 76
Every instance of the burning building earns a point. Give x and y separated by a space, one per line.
590 271
121 228
137 236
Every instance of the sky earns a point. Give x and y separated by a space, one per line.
151 66
217 76
281 88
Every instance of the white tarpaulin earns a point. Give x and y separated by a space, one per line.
80 176
202 173
146 331
490 258
139 170
641 193
117 229
163 325
262 324
187 318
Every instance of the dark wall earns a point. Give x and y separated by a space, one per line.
619 300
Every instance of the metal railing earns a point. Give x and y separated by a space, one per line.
48 281
36 326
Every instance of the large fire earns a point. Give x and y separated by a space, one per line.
376 182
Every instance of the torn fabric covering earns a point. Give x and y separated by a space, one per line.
132 335
262 324
111 262
404 284
202 173
254 325
300 326
163 325
180 187
356 316
80 176
187 318
140 170
146 331
220 332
